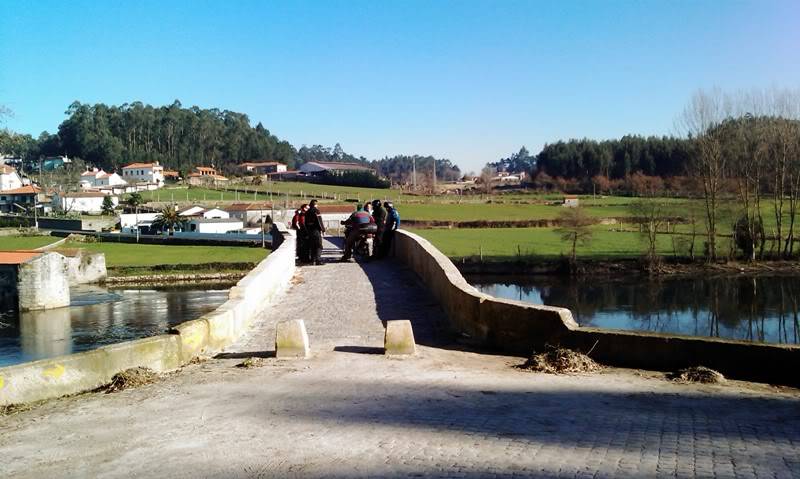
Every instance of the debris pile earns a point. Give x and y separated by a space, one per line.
557 360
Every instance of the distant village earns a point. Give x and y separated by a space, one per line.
98 192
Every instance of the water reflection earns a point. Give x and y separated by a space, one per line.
98 316
45 333
762 309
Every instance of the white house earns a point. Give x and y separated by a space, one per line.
195 210
99 179
570 201
212 225
144 173
199 211
89 202
9 179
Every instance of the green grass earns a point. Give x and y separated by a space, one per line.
508 243
25 242
126 254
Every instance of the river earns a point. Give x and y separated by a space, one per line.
98 316
750 308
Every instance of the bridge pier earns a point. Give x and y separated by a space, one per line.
42 284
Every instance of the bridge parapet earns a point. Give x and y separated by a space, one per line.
520 328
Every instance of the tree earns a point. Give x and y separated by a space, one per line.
486 178
700 120
650 212
135 200
108 206
574 228
168 219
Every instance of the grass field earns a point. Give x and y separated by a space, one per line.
509 243
25 242
126 254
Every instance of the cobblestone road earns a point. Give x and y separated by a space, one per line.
349 413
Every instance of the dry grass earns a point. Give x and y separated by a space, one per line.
131 378
698 374
557 360
251 363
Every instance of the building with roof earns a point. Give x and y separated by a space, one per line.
201 212
51 163
263 167
205 175
20 199
249 213
98 178
144 173
316 168
9 178
212 225
88 202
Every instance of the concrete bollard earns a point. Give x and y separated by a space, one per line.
291 339
399 339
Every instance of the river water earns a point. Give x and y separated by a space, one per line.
98 316
760 309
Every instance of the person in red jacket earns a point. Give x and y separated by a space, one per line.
298 224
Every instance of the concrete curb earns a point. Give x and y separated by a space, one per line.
74 373
519 328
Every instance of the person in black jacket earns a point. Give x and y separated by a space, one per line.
314 230
379 214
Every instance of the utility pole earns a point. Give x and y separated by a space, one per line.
434 176
137 223
414 174
261 216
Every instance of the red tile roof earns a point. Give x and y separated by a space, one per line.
247 207
25 190
17 257
139 165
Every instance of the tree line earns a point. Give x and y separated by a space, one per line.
181 138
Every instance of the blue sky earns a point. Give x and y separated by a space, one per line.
467 80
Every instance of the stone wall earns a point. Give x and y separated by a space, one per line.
42 284
85 267
73 373
519 328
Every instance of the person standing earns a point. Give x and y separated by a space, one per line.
392 223
315 228
379 214
298 224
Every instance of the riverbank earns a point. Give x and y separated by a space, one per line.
666 267
168 274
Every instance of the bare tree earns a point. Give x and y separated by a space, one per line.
651 214
575 229
487 174
784 147
700 120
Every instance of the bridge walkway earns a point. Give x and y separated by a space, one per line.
347 412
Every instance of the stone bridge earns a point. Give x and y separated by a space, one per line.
455 409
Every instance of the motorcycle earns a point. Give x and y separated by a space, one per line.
366 239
